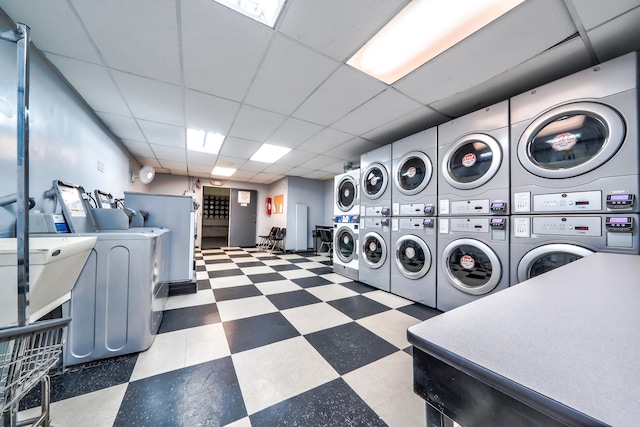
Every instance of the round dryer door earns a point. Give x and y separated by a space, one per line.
413 173
471 161
413 257
346 193
571 140
374 181
374 250
345 244
471 266
548 257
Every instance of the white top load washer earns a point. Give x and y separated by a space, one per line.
375 194
473 155
575 142
346 193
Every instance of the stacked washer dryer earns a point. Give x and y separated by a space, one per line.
375 210
346 224
413 231
574 168
473 190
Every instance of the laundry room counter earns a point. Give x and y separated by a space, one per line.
559 349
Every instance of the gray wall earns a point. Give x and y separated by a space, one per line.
66 138
308 192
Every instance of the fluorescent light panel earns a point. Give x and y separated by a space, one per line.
269 153
423 30
264 11
221 171
206 142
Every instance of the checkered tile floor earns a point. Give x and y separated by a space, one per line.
267 340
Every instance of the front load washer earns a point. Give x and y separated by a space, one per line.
414 190
345 245
413 267
576 142
540 243
375 194
346 193
474 259
473 154
375 233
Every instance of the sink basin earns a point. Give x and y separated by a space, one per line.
54 266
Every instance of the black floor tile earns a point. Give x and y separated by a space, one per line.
268 258
201 268
239 255
85 378
331 404
409 350
217 261
292 299
358 306
225 273
310 282
297 260
285 267
251 264
252 332
265 277
202 395
321 270
204 284
420 311
359 287
225 294
350 346
189 317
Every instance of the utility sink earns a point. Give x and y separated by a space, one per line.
54 266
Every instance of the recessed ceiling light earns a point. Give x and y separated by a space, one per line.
206 142
221 171
421 31
269 153
264 11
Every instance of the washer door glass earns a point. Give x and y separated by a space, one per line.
471 161
571 140
471 266
374 250
413 257
549 257
374 181
346 194
345 244
413 173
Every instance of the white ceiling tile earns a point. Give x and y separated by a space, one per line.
243 175
93 82
594 12
325 140
335 168
221 48
182 172
415 121
293 132
196 168
255 166
138 36
322 175
138 149
336 27
616 37
296 157
199 158
318 162
387 106
264 178
162 134
124 127
163 152
255 124
150 99
239 148
298 171
230 162
55 27
352 150
345 90
173 165
208 112
278 169
150 161
490 51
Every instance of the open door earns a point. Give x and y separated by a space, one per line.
243 210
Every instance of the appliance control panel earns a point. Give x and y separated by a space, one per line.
473 225
375 211
622 224
567 226
585 201
413 209
623 202
498 223
350 219
499 207
466 207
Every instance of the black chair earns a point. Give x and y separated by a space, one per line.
265 240
326 240
278 241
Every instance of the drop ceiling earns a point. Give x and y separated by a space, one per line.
152 68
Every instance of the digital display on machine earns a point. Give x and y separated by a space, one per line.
496 220
581 228
582 202
619 220
620 197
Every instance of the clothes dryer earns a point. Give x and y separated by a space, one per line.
576 142
414 190
345 245
540 243
375 192
346 193
474 259
375 233
473 154
413 269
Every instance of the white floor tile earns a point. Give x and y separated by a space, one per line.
296 274
391 325
243 260
277 287
167 353
212 257
202 297
206 343
309 265
257 270
315 317
404 409
230 281
221 266
245 307
320 258
289 256
336 278
243 422
276 262
331 292
388 299
202 275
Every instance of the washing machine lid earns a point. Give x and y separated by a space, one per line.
345 244
471 266
471 161
346 193
571 140
375 179
412 256
413 173
549 257
373 249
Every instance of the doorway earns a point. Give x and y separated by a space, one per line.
215 217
